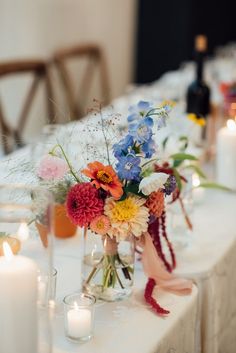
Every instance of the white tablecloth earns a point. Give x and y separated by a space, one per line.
210 261
131 327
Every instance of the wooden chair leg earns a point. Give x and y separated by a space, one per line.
50 97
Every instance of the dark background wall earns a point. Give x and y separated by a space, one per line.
166 31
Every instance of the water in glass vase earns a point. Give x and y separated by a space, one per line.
108 269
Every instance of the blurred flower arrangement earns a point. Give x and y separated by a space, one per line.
229 93
122 198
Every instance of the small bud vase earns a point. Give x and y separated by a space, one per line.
108 266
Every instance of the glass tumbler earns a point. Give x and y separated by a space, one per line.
79 316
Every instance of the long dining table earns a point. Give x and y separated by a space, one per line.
204 321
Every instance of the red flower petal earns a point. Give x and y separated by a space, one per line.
150 300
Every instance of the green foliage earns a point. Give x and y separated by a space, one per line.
178 179
132 188
197 170
184 141
213 185
164 142
179 158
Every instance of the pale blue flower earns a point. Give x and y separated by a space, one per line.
142 131
128 168
139 111
123 147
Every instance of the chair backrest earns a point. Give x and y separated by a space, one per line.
95 58
12 137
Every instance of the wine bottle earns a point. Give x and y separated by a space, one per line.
198 93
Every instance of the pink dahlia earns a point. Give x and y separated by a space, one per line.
83 204
52 167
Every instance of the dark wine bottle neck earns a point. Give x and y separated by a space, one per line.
199 66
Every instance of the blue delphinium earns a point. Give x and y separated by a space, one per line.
142 130
128 167
123 147
149 148
139 110
161 122
139 141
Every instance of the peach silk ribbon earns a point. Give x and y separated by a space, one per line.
154 268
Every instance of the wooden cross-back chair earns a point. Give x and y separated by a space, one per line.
95 59
12 137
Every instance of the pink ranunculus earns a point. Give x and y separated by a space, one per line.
52 168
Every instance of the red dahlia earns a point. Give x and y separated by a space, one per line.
83 204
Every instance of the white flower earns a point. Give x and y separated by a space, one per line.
153 182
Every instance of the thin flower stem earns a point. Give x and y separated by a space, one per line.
151 160
67 161
124 269
118 278
92 273
152 111
105 137
31 221
107 277
189 224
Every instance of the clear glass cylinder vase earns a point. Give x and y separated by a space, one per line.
180 216
26 269
108 266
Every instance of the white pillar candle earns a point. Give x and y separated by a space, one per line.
79 322
18 299
226 155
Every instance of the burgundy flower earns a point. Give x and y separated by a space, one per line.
83 204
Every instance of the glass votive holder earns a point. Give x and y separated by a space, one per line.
46 288
79 316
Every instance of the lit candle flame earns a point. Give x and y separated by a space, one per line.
195 180
76 306
23 232
8 254
231 125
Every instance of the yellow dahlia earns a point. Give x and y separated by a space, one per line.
127 217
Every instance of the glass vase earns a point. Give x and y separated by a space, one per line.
179 217
108 266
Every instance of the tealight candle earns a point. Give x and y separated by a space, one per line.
79 322
79 316
226 155
18 303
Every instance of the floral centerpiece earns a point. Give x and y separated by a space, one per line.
119 203
229 93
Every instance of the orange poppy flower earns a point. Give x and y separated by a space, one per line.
104 177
